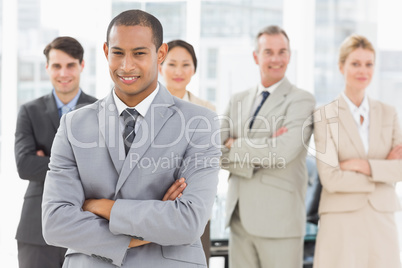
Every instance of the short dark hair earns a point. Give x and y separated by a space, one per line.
66 44
270 30
135 17
180 43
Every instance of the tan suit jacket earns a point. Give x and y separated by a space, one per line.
268 176
337 139
194 99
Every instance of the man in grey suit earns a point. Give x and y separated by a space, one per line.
37 124
264 131
103 197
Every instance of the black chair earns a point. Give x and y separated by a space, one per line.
313 191
312 201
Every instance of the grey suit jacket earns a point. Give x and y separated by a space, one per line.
268 176
37 124
176 139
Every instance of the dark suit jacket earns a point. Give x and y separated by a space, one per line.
37 124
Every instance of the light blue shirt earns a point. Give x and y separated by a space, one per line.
65 108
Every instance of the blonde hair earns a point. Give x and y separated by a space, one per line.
350 44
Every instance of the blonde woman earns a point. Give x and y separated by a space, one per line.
359 151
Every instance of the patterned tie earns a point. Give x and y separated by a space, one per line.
265 95
130 116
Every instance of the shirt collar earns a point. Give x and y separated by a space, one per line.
71 104
141 108
363 109
270 89
186 96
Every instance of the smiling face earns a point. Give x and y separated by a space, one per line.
358 70
133 62
177 69
272 57
64 72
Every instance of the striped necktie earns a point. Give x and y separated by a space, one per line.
130 117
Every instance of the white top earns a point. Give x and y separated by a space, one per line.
142 108
362 110
261 88
186 96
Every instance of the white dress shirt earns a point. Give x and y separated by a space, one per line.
142 108
186 96
362 110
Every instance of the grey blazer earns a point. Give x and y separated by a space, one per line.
268 176
37 124
176 139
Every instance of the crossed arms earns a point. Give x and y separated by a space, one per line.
103 207
354 175
363 166
107 227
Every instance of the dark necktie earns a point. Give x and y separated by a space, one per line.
130 116
265 95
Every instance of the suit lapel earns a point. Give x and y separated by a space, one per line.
275 99
158 114
374 127
51 110
349 125
244 110
84 99
110 131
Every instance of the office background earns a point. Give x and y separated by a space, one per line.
222 32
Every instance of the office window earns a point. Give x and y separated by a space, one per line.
42 70
26 71
30 42
29 14
238 18
390 84
212 62
119 6
90 61
334 22
211 94
172 15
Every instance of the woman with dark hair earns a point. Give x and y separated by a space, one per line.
178 68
